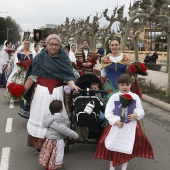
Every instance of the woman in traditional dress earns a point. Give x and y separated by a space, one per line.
5 62
47 74
24 58
113 65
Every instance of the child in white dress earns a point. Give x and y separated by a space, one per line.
123 138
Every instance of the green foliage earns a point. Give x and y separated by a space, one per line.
151 66
151 89
13 33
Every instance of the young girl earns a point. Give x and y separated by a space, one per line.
123 138
52 152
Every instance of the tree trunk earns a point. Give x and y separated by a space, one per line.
168 64
168 52
136 48
125 36
92 42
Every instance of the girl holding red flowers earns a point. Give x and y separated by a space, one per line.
123 138
6 64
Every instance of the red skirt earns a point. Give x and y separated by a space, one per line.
142 148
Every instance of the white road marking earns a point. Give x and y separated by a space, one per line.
5 157
9 125
11 104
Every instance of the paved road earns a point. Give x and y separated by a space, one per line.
80 157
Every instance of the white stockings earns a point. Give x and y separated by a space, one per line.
124 166
111 166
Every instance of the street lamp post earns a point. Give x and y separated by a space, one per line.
8 31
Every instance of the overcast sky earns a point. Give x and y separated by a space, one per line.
32 14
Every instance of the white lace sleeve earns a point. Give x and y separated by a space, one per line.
103 72
34 78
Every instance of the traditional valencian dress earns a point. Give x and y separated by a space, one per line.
122 144
112 68
6 64
18 73
49 74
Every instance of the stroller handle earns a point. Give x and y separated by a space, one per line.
93 91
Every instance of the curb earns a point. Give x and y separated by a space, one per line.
156 102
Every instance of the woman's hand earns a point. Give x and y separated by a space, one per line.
132 117
73 86
119 124
89 64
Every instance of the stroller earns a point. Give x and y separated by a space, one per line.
85 107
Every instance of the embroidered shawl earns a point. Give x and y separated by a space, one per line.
106 61
58 67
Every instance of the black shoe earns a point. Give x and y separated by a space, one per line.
24 114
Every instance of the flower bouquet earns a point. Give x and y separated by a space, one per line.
126 100
16 91
137 68
10 51
93 58
134 70
24 64
21 65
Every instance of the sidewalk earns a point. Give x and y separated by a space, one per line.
157 77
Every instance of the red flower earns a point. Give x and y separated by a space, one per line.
142 66
127 96
74 65
10 51
10 85
109 91
137 68
132 69
17 91
21 64
126 100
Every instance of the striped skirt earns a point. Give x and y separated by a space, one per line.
142 148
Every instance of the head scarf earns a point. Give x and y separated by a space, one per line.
53 36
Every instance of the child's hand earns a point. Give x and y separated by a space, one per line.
119 124
132 117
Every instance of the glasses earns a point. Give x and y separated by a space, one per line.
54 45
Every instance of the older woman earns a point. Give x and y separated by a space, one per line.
48 71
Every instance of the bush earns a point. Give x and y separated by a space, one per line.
151 66
153 90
